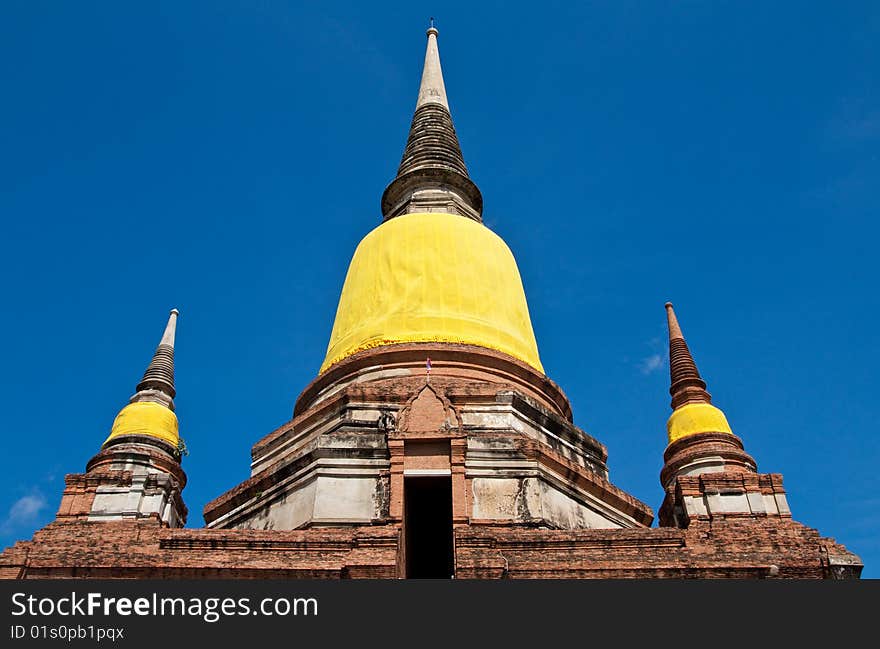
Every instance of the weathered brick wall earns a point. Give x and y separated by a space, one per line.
738 548
146 549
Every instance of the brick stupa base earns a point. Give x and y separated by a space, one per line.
529 490
146 549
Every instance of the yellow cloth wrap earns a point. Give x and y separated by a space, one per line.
146 418
433 278
695 418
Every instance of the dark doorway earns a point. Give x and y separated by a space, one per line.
428 526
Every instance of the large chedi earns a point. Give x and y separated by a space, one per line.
431 443
431 408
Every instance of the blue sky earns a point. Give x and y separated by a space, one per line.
226 157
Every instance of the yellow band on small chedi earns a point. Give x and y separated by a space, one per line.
433 277
146 418
694 418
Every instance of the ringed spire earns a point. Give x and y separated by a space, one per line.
432 176
686 384
159 375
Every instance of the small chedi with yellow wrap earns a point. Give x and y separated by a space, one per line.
137 473
431 443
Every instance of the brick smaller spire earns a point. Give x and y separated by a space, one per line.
137 473
686 384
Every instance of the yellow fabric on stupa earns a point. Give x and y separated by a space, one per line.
694 418
432 278
146 418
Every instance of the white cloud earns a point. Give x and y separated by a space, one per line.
25 510
651 364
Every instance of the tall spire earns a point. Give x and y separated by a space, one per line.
432 176
686 384
159 375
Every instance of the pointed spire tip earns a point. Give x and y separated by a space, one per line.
160 372
686 384
432 176
432 88
170 328
672 322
